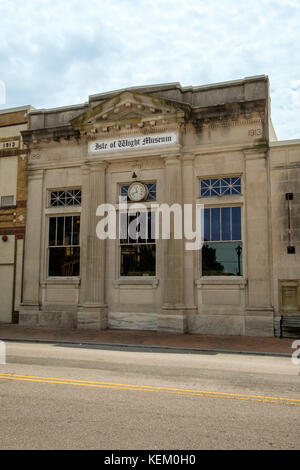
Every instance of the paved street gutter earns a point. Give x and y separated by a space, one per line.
146 347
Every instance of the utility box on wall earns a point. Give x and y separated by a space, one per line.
289 296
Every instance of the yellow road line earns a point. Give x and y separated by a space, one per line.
148 388
65 380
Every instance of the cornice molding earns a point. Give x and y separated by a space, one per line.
234 123
286 166
54 165
35 136
218 149
255 153
122 130
238 109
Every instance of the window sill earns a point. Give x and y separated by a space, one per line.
221 280
136 281
74 281
228 200
63 210
146 204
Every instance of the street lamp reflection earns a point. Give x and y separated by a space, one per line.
239 252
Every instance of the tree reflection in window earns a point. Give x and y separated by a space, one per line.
137 250
222 249
64 249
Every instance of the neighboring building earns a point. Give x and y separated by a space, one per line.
13 161
284 161
209 144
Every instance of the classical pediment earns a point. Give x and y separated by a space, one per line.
129 110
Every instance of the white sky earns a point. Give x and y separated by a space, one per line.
57 52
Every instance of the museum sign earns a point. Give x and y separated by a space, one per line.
130 143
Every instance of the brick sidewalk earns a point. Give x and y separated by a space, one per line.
150 338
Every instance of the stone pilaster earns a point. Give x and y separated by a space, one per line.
92 311
258 311
189 256
172 316
31 290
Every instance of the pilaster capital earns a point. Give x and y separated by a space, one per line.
254 153
35 174
85 169
188 158
172 159
99 166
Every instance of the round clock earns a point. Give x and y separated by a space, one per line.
137 191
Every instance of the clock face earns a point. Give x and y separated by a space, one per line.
137 191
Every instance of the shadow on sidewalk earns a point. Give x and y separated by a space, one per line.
137 348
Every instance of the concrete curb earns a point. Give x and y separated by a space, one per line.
145 346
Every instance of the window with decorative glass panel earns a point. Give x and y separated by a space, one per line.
70 197
223 249
220 186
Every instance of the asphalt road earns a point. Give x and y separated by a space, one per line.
62 397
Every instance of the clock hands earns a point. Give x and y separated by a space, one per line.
137 191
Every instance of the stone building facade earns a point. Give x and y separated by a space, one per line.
164 144
13 161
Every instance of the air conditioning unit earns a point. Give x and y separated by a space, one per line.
7 201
